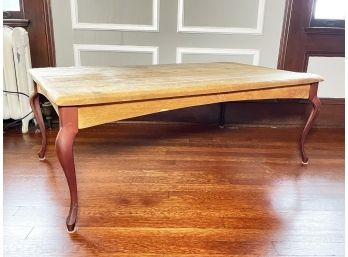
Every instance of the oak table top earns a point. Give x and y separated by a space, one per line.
73 86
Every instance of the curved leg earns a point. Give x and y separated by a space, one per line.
35 106
64 148
316 107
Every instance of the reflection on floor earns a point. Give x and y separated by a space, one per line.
178 190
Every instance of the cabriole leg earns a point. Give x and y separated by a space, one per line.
64 148
35 106
315 109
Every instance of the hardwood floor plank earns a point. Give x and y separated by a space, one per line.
178 190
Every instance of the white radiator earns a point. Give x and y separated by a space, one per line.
17 62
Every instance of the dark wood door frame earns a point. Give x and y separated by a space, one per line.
36 18
299 40
302 38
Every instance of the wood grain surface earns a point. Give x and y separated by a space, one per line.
92 115
95 85
178 190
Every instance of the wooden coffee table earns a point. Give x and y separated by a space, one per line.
88 96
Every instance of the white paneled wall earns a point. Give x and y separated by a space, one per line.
169 30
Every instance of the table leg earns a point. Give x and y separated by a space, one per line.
222 115
64 148
35 106
315 109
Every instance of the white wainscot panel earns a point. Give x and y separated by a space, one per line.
93 25
198 55
79 48
332 69
216 12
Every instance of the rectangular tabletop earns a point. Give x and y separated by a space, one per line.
73 86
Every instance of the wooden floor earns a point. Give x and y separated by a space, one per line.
178 190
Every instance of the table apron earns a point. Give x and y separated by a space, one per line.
92 115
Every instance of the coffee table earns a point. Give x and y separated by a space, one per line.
89 96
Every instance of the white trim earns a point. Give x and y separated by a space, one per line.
154 27
180 51
221 30
78 48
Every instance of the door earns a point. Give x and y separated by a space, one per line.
122 32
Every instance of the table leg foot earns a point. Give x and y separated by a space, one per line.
35 106
315 110
304 163
71 228
42 159
72 231
64 148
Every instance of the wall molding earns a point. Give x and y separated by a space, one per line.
78 48
180 51
221 30
154 27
